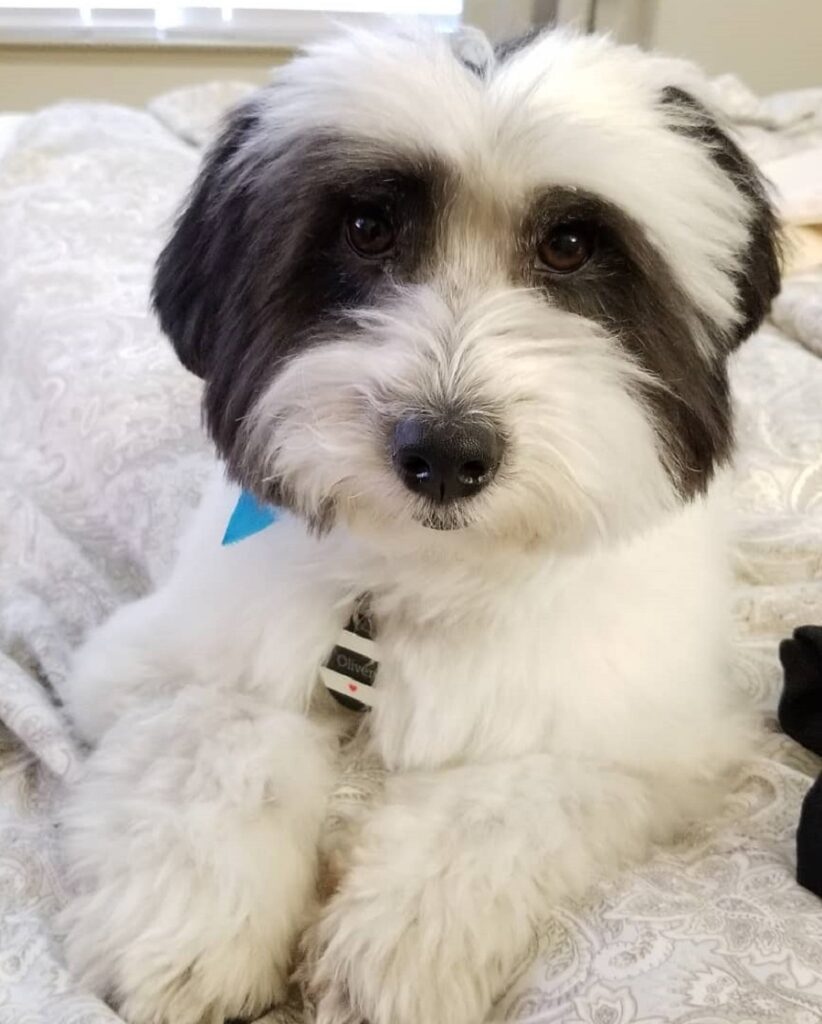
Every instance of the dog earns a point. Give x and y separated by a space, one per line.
463 318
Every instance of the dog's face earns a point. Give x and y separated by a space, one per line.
495 298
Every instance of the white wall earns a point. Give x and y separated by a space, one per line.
504 19
32 76
770 44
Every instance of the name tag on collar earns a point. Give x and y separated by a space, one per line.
350 670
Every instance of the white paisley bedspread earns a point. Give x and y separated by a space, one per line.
101 457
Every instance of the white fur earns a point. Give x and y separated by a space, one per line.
552 684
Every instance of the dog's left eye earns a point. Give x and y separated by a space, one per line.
369 231
566 248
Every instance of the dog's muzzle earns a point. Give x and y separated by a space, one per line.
445 460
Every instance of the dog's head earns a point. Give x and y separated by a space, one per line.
494 294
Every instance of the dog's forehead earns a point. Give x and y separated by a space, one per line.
522 119
575 112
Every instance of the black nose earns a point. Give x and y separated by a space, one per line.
445 460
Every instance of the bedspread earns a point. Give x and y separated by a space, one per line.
102 457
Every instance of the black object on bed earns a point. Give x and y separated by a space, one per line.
800 715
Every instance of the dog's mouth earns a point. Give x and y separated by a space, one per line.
444 518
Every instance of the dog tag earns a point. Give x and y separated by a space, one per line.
351 668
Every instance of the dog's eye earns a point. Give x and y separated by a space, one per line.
566 248
369 231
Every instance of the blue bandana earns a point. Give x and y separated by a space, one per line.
249 517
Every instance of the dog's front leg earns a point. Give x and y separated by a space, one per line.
453 876
191 838
191 842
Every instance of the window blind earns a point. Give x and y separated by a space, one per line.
250 23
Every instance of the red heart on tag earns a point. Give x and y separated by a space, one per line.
352 687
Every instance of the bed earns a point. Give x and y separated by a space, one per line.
102 458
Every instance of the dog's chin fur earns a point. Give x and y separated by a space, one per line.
551 695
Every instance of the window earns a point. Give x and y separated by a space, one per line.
248 23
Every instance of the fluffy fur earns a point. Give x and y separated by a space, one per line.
552 649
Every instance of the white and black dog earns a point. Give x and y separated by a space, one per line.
466 321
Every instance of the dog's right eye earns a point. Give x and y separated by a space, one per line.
369 232
566 248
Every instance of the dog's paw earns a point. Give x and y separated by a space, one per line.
176 965
171 968
189 847
392 957
229 982
176 932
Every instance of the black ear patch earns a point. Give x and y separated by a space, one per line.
193 278
758 281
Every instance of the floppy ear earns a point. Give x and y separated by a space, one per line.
758 280
194 286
